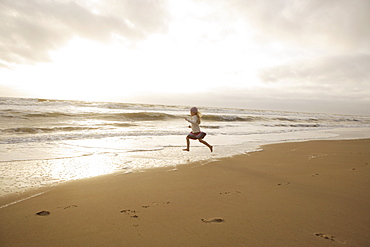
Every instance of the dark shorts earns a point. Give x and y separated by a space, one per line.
196 136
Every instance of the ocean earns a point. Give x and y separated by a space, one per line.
47 142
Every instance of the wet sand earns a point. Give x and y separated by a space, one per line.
292 194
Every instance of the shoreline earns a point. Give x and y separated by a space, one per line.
307 193
18 178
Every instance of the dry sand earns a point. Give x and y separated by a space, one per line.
293 194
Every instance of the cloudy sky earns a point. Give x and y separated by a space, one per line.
290 55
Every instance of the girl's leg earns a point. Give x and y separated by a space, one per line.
187 144
207 144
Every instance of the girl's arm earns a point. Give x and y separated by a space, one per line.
192 120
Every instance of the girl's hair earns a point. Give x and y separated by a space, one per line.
197 112
199 115
194 110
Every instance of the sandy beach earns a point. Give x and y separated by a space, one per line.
312 193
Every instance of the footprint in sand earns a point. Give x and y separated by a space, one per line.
163 203
322 235
230 192
156 204
127 211
329 237
287 183
134 215
131 213
43 213
217 220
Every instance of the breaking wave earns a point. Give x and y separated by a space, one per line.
230 118
30 130
299 125
128 116
140 116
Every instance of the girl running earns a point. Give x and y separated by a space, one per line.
195 133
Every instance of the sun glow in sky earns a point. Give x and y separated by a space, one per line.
291 55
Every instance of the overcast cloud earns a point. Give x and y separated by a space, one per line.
306 55
329 24
32 28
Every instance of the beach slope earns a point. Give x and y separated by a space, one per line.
312 193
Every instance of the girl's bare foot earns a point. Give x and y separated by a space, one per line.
211 147
185 149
